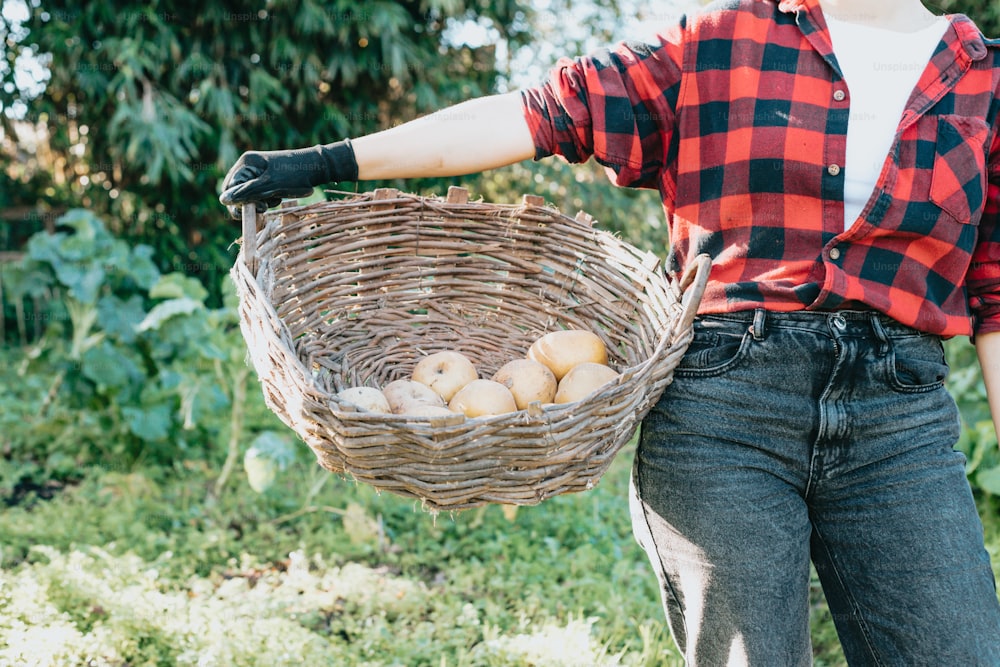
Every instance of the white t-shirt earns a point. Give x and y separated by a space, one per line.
881 68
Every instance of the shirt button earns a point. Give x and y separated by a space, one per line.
839 95
833 169
834 253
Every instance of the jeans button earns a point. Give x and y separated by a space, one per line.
839 322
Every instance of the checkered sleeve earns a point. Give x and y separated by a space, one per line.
983 279
616 105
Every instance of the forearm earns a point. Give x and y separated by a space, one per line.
988 350
483 133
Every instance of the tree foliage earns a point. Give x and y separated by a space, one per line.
146 105
985 14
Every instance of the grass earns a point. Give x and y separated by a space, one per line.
385 583
134 567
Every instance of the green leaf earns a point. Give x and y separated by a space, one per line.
27 278
79 260
150 424
162 312
989 480
170 379
79 248
107 367
121 318
86 225
177 285
44 248
84 283
142 269
204 400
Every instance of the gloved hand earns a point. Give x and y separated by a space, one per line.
266 177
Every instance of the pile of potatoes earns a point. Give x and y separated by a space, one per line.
560 367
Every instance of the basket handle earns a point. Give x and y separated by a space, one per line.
692 285
250 235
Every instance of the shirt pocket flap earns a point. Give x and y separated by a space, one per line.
958 182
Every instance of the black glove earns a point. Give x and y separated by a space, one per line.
266 177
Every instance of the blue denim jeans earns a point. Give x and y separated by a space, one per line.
790 438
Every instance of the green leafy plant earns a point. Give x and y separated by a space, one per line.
90 268
160 373
978 440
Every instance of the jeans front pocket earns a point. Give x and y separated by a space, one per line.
718 345
916 364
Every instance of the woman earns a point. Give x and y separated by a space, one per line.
839 161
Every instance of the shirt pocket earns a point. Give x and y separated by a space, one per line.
958 181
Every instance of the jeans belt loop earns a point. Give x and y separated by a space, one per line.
883 337
759 320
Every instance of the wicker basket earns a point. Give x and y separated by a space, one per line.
354 292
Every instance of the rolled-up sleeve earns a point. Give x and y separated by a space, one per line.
983 279
616 104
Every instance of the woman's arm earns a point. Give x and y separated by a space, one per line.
988 350
467 138
470 137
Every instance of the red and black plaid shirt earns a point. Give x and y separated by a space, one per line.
738 117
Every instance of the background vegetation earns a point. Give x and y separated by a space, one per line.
154 512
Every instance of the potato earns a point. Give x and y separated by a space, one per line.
405 394
483 398
368 399
562 350
445 372
528 381
583 379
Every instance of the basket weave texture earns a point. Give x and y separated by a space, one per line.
354 292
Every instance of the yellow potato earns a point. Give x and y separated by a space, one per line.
405 394
445 372
562 350
583 379
483 398
528 381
